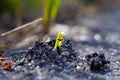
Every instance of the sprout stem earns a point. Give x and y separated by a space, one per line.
59 40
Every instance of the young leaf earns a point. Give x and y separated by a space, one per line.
59 40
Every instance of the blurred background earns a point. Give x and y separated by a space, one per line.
81 19
14 13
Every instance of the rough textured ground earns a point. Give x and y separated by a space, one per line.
41 61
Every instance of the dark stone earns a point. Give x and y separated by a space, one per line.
96 61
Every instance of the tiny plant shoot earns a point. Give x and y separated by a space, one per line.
59 40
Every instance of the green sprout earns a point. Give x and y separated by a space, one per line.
59 40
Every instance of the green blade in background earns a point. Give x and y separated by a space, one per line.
50 12
51 9
55 8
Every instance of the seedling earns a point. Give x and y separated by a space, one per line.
59 40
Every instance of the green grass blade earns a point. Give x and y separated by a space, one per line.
55 8
51 9
50 12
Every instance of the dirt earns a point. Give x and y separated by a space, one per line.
42 62
96 61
